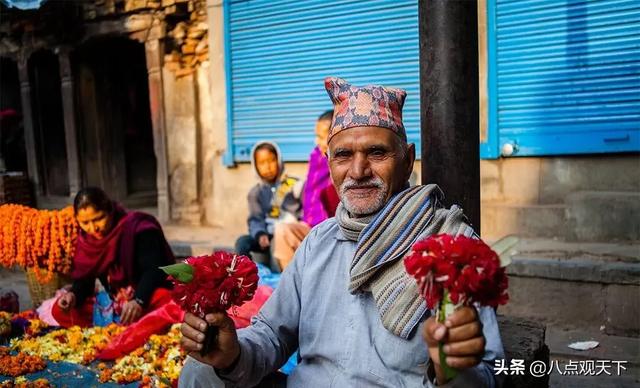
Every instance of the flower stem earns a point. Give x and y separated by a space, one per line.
210 340
445 309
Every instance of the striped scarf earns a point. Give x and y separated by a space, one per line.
378 267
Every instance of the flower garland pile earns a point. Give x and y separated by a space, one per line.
156 364
22 382
19 364
77 345
42 239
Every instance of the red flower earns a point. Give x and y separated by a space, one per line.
219 281
465 267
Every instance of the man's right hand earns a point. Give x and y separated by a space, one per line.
225 351
263 241
67 301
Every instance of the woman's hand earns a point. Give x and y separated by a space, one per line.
67 301
131 311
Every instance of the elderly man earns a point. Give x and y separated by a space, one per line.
346 301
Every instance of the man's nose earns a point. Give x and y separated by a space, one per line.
360 167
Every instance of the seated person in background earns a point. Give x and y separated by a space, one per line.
289 235
123 249
275 199
318 177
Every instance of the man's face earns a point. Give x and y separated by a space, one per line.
368 165
322 133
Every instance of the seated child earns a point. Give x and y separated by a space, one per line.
275 198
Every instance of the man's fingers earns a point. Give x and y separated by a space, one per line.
195 322
461 317
190 346
433 332
192 334
462 362
464 332
472 347
219 319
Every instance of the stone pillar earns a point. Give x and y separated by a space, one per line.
27 120
154 56
70 132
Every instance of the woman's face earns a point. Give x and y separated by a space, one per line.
322 134
96 223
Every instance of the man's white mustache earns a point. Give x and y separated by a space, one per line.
377 183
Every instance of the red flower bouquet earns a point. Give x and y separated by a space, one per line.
456 271
216 282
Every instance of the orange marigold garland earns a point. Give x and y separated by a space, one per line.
19 364
40 239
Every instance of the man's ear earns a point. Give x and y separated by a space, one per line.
411 158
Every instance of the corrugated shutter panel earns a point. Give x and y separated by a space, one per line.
281 51
568 76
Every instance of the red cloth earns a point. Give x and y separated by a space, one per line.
330 200
83 315
169 313
114 253
139 332
242 315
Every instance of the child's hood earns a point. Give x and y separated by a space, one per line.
278 155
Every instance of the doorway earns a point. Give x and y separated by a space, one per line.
114 120
12 148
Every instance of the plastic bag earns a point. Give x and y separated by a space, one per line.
242 315
103 309
138 333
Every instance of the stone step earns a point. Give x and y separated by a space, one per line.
584 216
603 216
592 286
499 219
610 348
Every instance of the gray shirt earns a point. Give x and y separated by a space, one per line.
340 336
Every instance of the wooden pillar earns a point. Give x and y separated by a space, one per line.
154 56
449 101
27 120
70 132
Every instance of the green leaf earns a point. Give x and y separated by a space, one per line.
505 248
182 272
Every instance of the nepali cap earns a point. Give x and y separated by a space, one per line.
371 105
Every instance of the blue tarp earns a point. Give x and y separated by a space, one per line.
23 4
271 279
66 374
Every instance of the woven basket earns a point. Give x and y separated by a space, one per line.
41 292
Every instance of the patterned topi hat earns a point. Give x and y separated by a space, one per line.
371 105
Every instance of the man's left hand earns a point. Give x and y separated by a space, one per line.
461 335
131 311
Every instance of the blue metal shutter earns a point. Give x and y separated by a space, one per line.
279 52
567 75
